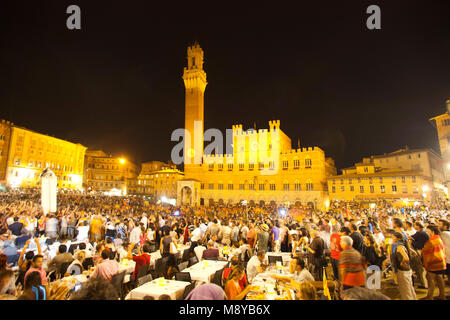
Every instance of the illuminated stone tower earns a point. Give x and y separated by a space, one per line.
195 83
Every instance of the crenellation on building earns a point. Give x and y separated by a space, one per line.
262 168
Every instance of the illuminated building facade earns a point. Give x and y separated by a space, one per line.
25 153
262 166
159 180
105 173
407 175
442 125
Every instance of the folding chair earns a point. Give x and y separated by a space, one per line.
183 276
193 261
183 266
144 280
117 282
188 290
274 259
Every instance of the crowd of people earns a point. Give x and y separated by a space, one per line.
348 244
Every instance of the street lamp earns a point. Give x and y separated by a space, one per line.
122 161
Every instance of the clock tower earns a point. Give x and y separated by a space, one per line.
195 83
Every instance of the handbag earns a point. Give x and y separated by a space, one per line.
173 248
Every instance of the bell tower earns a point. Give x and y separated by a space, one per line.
195 83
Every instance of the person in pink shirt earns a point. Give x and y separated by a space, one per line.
106 268
36 265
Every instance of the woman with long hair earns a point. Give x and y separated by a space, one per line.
372 251
233 289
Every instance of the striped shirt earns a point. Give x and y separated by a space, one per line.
351 268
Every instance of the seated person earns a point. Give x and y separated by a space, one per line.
141 259
226 272
61 257
96 289
210 253
106 268
233 289
301 274
198 250
207 291
76 267
256 265
37 266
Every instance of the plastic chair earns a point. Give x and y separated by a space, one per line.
183 276
274 259
192 261
144 280
217 279
186 255
188 290
143 271
161 267
75 270
117 282
183 266
63 269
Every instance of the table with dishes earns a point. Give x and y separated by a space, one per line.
267 287
157 288
204 271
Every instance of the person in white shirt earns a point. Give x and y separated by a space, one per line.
144 221
135 235
300 273
83 231
255 265
203 229
378 235
198 250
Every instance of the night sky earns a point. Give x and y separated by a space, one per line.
116 83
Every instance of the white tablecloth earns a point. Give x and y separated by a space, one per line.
266 283
203 271
173 288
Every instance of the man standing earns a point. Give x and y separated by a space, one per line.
317 256
444 227
358 239
263 238
351 272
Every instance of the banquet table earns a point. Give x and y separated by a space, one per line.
203 271
158 287
128 266
266 285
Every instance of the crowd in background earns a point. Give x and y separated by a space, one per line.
411 245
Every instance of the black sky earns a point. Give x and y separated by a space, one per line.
116 84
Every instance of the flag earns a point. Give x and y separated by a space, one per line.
326 291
